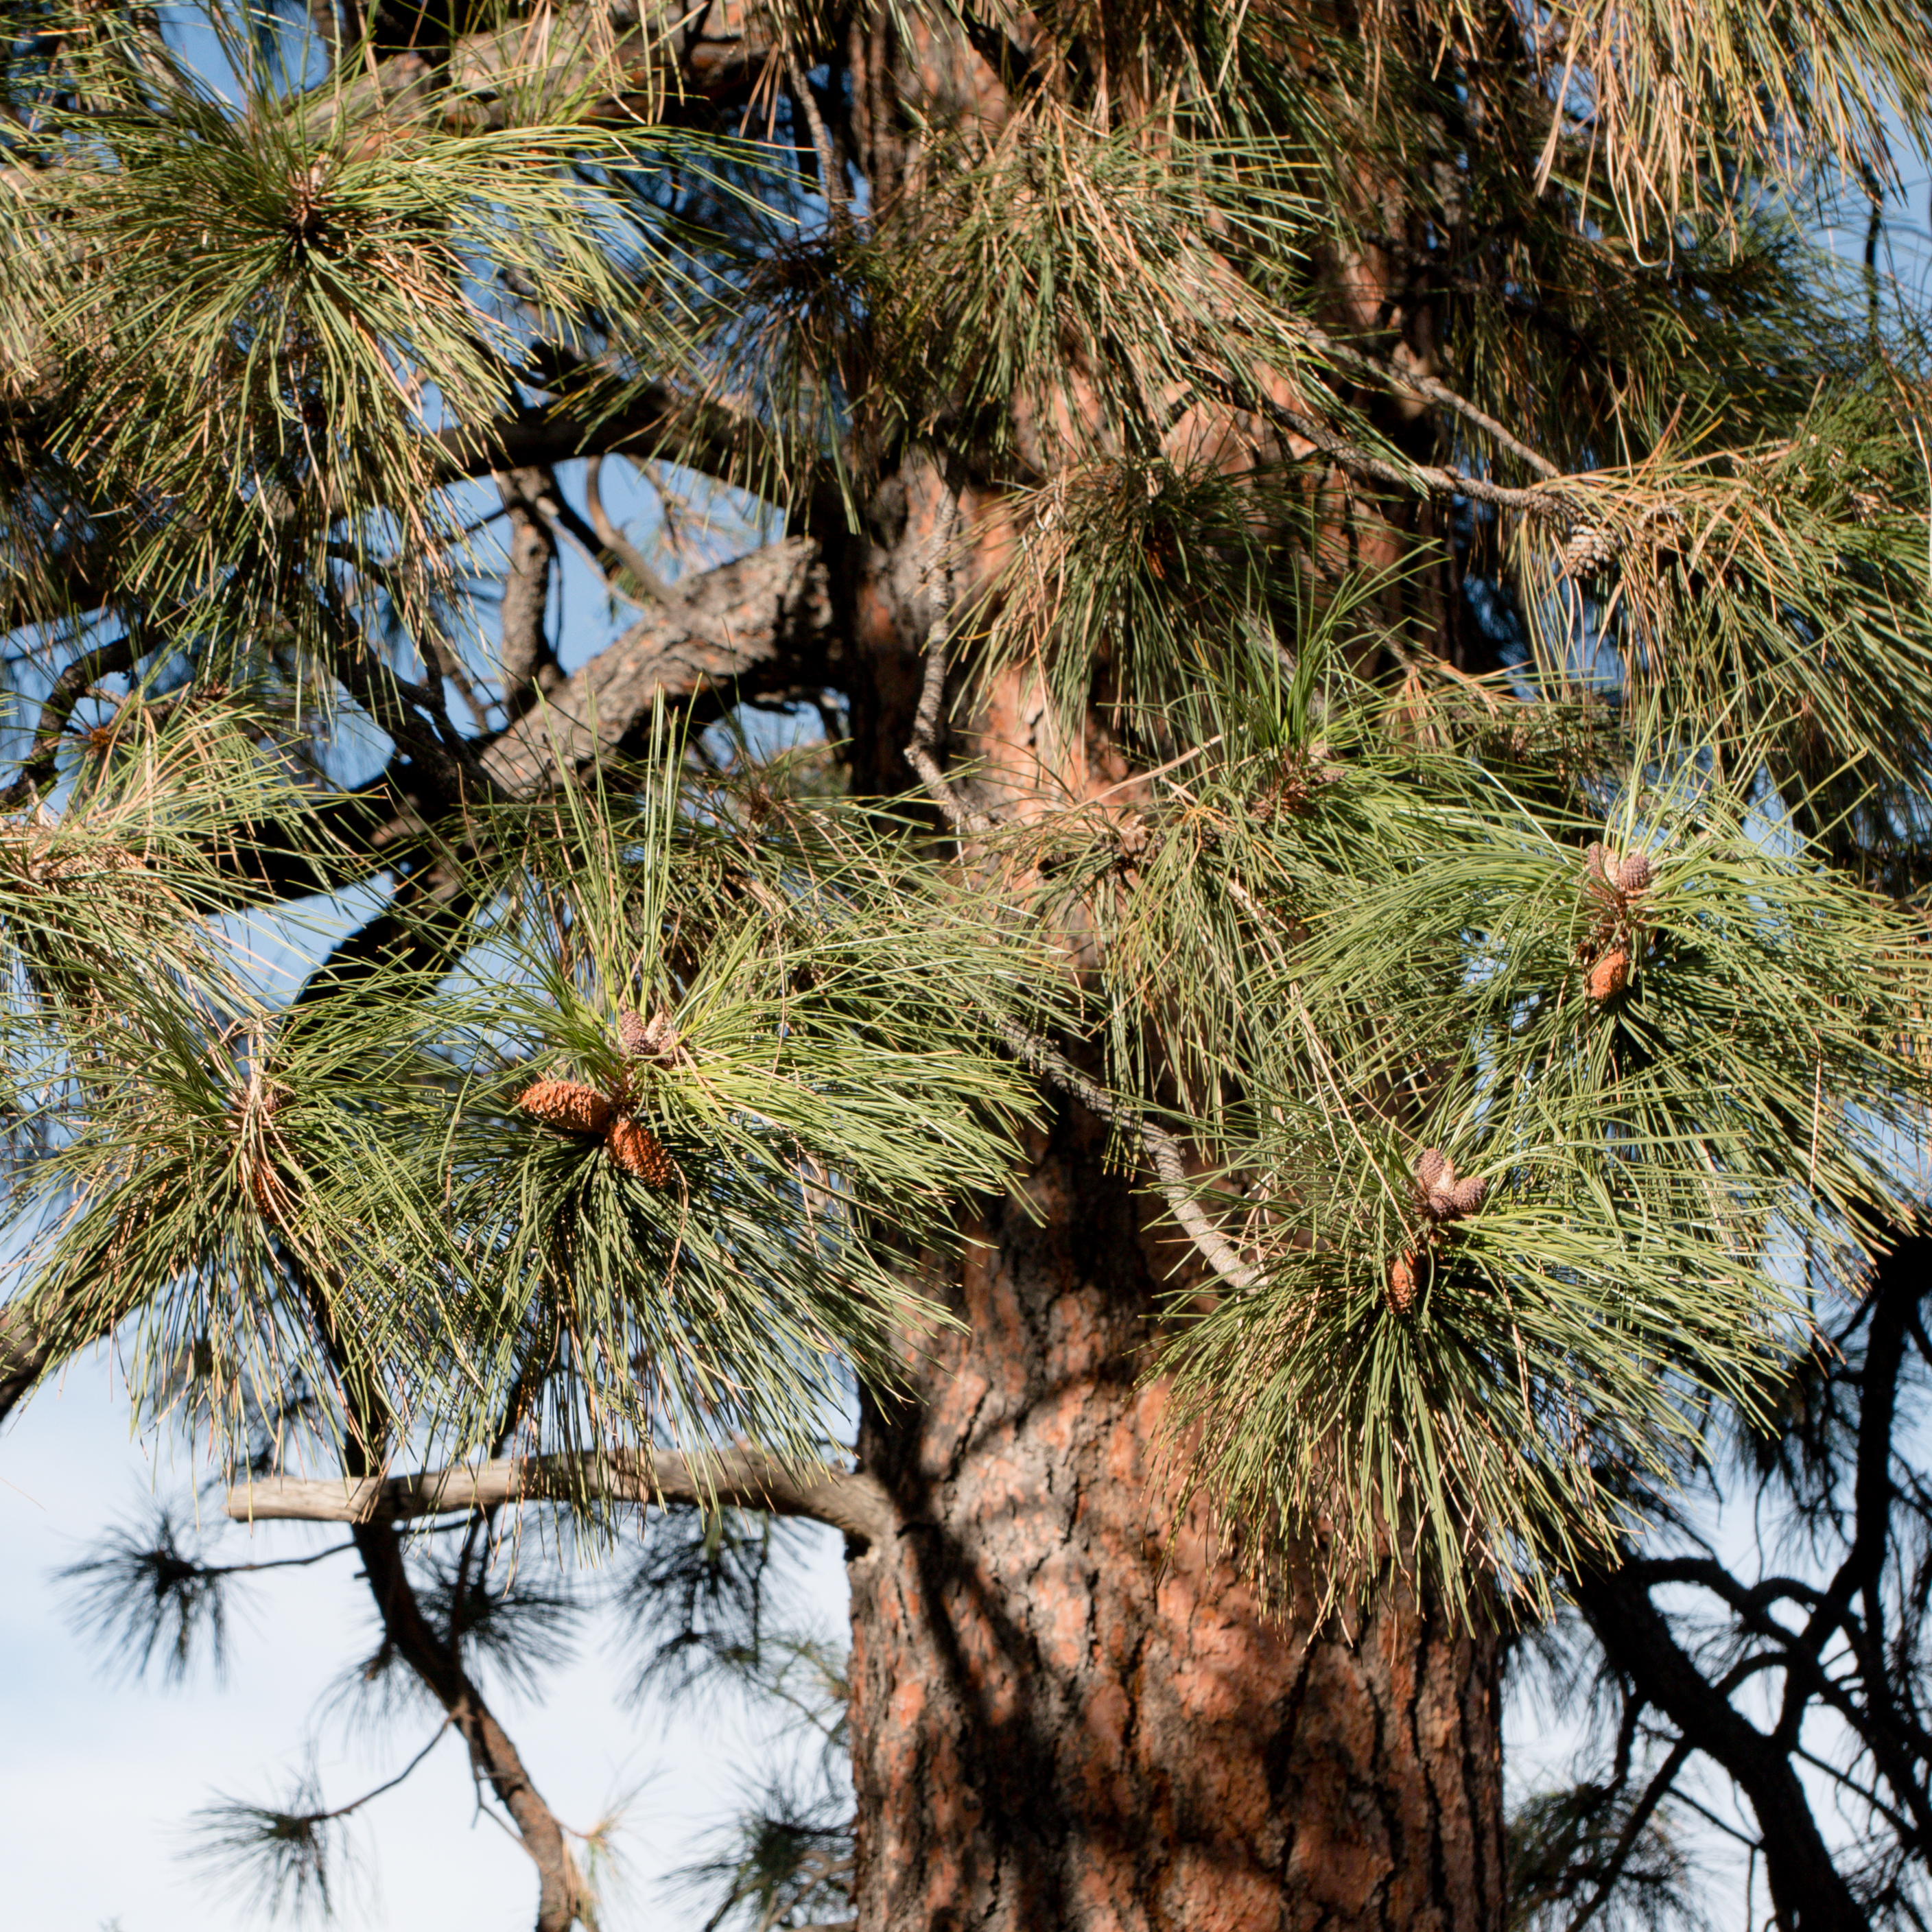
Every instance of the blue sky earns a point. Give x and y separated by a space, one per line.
98 1775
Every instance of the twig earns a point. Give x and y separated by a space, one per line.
1539 500
1435 391
389 1784
614 540
836 204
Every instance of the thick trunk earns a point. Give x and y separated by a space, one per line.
1066 1712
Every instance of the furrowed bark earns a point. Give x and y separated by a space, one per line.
1068 1710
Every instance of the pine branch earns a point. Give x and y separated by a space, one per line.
491 1752
1638 1642
1613 1866
857 1504
1541 500
436 1659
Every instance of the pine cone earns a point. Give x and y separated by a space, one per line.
1439 1193
639 1151
564 1105
1431 1170
1400 1294
1588 550
641 1038
1634 875
1610 976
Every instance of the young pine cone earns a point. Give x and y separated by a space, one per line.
639 1151
1625 877
1400 1292
1633 875
564 1105
641 1038
1610 976
1439 1193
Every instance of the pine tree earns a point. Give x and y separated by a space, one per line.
1339 996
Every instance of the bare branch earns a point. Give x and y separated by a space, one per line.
767 611
524 649
38 776
614 540
698 432
745 1479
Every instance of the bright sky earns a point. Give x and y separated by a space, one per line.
98 1776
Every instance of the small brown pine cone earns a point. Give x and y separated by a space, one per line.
564 1105
1594 862
1466 1196
1634 875
641 1038
639 1151
1610 976
1589 549
1432 1167
1400 1294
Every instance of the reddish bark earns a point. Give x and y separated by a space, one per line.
1066 1713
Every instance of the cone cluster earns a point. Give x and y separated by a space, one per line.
1620 878
1615 884
1439 1193
573 1108
1301 773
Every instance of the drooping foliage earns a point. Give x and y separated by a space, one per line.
1418 565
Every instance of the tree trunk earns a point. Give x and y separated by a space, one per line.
1066 1713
